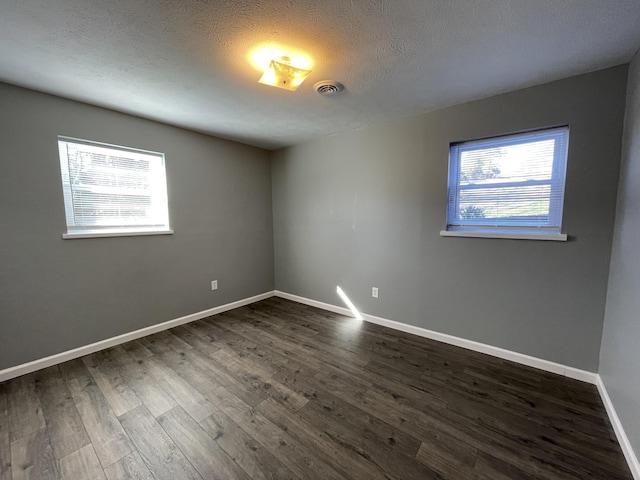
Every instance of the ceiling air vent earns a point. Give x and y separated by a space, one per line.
328 87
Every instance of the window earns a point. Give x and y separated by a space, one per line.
508 187
111 190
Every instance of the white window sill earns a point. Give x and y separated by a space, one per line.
113 233
557 237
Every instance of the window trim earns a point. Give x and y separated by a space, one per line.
88 231
114 233
558 237
489 229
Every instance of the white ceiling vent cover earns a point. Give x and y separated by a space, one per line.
328 87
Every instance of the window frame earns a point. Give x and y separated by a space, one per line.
490 228
84 230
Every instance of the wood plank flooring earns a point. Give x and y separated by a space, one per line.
278 390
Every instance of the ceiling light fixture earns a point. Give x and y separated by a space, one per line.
281 74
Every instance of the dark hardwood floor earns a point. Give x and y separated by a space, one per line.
278 390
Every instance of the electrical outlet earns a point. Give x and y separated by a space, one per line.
374 292
214 284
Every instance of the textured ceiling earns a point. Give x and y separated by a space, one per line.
185 62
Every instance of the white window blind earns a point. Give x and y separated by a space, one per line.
512 183
111 190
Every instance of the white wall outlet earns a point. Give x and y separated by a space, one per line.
374 292
214 284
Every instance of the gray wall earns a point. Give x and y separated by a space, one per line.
620 355
365 209
59 294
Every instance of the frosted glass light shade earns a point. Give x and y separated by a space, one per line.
282 75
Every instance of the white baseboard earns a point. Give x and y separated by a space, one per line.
314 303
623 440
546 365
516 357
521 358
29 367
